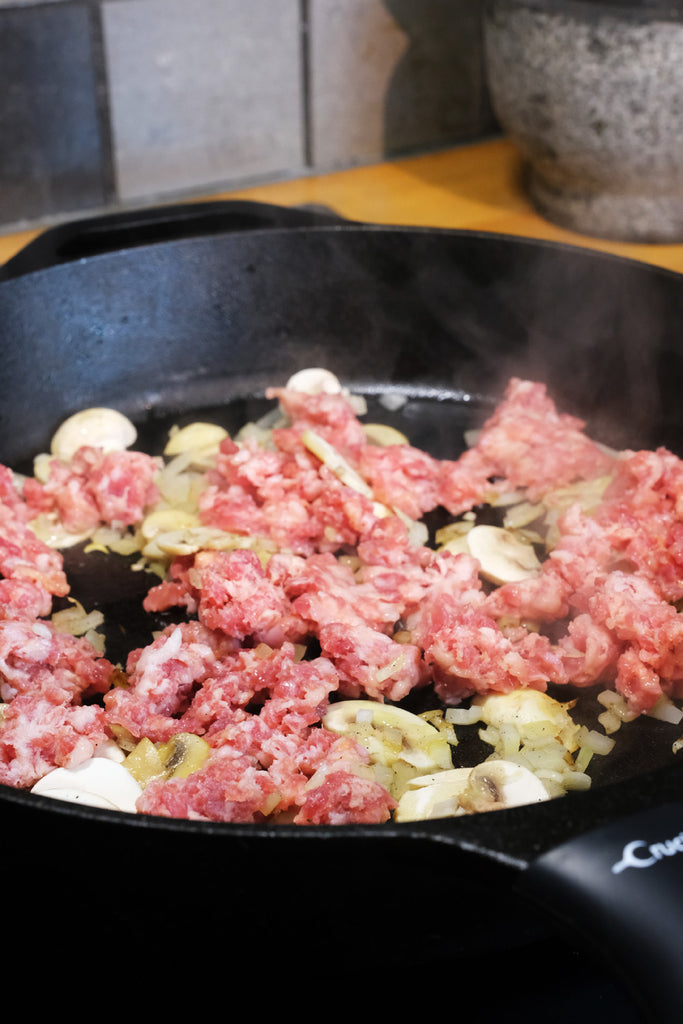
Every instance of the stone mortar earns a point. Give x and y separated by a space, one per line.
592 93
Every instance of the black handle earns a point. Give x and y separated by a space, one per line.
126 229
621 886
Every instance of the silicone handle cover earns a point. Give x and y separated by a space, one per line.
621 888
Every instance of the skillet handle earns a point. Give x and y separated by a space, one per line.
92 236
621 886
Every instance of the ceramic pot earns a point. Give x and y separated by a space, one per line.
592 92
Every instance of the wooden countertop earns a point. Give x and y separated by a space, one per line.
476 187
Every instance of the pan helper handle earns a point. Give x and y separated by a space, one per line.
621 887
148 225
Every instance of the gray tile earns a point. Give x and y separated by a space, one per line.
52 147
204 93
394 76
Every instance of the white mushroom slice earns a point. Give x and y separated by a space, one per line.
495 784
536 731
521 514
97 782
383 435
391 734
457 544
314 381
164 520
98 428
529 711
433 796
52 532
503 556
41 466
198 436
170 543
489 786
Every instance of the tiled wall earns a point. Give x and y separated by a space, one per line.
110 103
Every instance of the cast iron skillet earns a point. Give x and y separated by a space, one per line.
198 309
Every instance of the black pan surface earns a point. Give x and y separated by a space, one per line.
165 329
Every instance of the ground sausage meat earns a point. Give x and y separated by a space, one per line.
343 598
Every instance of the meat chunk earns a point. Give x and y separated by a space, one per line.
37 735
529 444
35 660
96 487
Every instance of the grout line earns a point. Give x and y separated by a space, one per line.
306 85
102 102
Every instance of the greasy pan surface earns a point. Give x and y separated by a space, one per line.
204 325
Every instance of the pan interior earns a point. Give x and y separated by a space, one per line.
438 424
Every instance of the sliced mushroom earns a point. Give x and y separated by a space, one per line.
48 528
529 711
97 427
489 786
165 520
97 782
41 466
200 437
433 796
503 555
496 784
383 435
189 540
314 380
183 754
391 734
